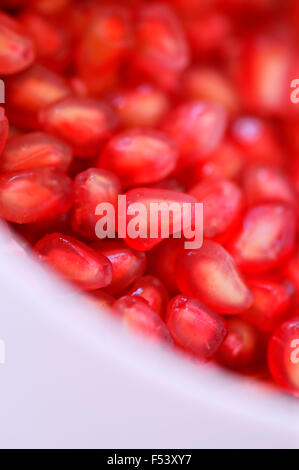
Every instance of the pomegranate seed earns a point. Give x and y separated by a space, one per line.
257 141
147 196
83 123
142 106
91 187
241 347
127 264
3 130
153 291
52 43
209 84
222 205
101 300
75 261
29 92
266 239
35 150
160 44
197 128
162 262
16 49
139 157
210 275
265 183
50 7
194 326
28 196
272 300
283 355
138 315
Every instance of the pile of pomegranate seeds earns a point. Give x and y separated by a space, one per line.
173 102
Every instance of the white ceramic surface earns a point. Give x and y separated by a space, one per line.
73 378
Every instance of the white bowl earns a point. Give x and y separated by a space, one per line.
73 378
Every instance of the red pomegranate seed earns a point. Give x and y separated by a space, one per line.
138 315
283 355
29 196
139 157
35 150
92 187
127 264
162 262
142 106
257 141
197 128
145 197
50 7
272 300
194 326
52 43
32 90
160 44
101 300
222 205
265 183
83 123
266 238
266 59
242 346
153 291
211 275
208 84
75 261
3 130
16 49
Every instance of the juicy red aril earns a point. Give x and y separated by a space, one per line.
145 221
92 187
16 49
100 299
127 264
197 128
138 316
35 150
29 196
151 289
241 347
210 275
265 183
162 262
142 106
283 355
194 326
222 204
75 261
30 91
83 123
139 157
271 303
3 129
160 45
266 239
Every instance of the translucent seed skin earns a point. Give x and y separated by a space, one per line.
266 239
210 275
151 289
139 157
29 196
283 355
197 128
16 48
162 262
92 187
3 130
138 316
85 124
128 265
75 261
194 326
35 150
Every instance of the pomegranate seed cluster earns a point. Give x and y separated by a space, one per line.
176 102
